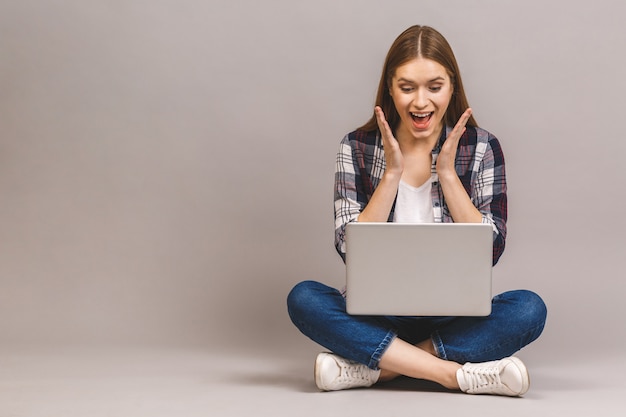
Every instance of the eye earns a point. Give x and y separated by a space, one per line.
406 89
435 89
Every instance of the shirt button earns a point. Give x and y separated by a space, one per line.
436 204
435 183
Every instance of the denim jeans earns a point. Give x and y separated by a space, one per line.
517 318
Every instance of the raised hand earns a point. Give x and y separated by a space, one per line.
379 205
445 160
393 156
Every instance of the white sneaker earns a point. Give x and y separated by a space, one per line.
334 373
507 376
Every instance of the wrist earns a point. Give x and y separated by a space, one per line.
391 176
447 175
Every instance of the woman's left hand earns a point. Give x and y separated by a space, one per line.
447 155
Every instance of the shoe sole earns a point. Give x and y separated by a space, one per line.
525 376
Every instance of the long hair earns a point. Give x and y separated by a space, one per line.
419 42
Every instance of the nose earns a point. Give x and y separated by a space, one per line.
421 98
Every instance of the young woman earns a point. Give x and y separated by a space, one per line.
420 158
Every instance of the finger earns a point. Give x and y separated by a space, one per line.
459 128
460 125
385 130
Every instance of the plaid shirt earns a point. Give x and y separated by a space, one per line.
479 165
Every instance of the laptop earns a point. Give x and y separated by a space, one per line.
425 269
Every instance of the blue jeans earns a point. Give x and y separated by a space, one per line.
517 318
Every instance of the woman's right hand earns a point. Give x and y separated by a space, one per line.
381 202
393 156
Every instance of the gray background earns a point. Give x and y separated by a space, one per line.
166 167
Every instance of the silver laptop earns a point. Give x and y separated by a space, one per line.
433 269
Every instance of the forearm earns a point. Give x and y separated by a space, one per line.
379 206
459 203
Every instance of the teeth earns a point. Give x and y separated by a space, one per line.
420 114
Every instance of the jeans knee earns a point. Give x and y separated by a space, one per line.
535 307
532 312
300 298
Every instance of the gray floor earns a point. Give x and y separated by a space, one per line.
195 382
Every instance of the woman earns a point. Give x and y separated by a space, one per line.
420 158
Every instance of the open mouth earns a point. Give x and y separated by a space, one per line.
420 120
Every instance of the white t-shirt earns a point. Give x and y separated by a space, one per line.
414 204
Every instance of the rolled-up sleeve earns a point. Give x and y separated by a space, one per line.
489 194
347 205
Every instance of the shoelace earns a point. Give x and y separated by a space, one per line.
354 371
482 378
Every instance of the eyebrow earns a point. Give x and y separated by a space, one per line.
430 81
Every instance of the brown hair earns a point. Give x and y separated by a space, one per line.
425 42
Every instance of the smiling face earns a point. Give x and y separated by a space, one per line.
421 90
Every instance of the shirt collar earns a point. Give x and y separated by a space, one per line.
442 138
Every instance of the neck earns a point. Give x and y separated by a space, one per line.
410 143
